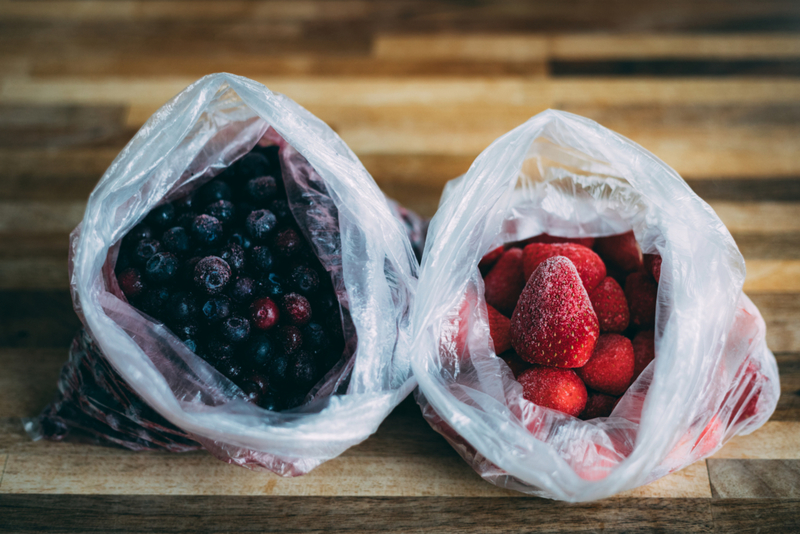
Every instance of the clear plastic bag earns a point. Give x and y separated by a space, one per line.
358 236
713 376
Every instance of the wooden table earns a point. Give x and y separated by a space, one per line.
417 88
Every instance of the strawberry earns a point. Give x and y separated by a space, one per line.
515 363
610 305
558 389
620 250
598 405
505 281
747 404
499 326
554 323
652 265
587 242
590 267
641 291
644 351
610 369
488 261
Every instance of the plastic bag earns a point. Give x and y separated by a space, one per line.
158 394
713 376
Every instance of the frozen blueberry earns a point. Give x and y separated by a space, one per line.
145 250
155 300
191 344
305 279
261 257
261 350
271 153
181 308
243 290
131 283
296 308
290 339
138 232
186 331
254 386
265 313
235 329
303 369
280 207
211 274
240 239
206 231
185 203
233 255
252 165
213 191
260 190
260 223
272 285
223 210
162 267
278 370
288 243
216 309
176 240
231 369
314 336
161 216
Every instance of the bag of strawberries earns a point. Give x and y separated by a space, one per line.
244 287
580 327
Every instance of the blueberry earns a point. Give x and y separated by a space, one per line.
305 279
326 302
261 257
181 308
231 369
261 350
272 286
211 274
260 190
296 308
213 191
145 250
176 240
220 352
131 283
314 336
280 207
216 309
278 370
186 331
136 234
288 243
252 166
222 210
260 223
271 153
191 344
243 290
185 203
235 329
240 239
161 216
206 231
303 370
254 386
290 339
185 220
162 267
154 301
233 255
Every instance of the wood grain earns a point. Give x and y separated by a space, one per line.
754 479
756 515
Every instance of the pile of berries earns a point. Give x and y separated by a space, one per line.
559 316
227 269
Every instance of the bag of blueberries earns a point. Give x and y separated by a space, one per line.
580 327
244 287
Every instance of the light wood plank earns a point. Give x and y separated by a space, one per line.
773 276
39 217
776 440
764 217
461 47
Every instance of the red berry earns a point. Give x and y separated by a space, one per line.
610 369
488 261
644 351
621 250
652 265
265 313
559 389
505 281
598 405
608 301
587 242
499 326
515 363
589 265
554 323
297 308
131 283
641 292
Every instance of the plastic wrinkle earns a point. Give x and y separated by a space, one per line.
713 376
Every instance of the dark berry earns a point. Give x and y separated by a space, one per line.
216 309
191 344
326 302
220 351
260 223
243 290
231 369
235 329
260 190
254 386
223 210
305 279
314 336
154 301
264 313
252 166
176 240
260 351
240 239
233 255
131 283
161 216
290 339
287 243
206 231
280 207
272 286
271 153
185 220
277 371
261 257
186 331
303 369
213 191
123 260
162 267
185 203
137 233
181 308
297 308
211 274
145 250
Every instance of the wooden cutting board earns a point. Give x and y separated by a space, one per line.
417 89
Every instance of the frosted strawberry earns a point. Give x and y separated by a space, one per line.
546 238
610 305
488 261
589 265
558 389
598 405
621 250
499 326
652 265
505 281
554 323
610 369
644 351
641 292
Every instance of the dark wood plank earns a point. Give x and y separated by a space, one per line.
762 516
788 408
676 68
65 513
768 246
754 479
747 189
782 315
51 127
28 380
37 319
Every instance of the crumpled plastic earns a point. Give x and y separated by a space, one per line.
713 376
132 382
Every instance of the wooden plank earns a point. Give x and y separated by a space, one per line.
40 217
765 217
752 189
756 515
58 126
754 479
776 440
782 315
462 47
768 246
773 276
676 68
28 381
789 402
37 319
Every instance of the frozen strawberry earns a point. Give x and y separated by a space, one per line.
505 281
590 267
488 261
515 363
559 389
546 238
610 305
598 405
644 351
499 326
621 250
641 291
610 369
652 265
747 404
554 323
